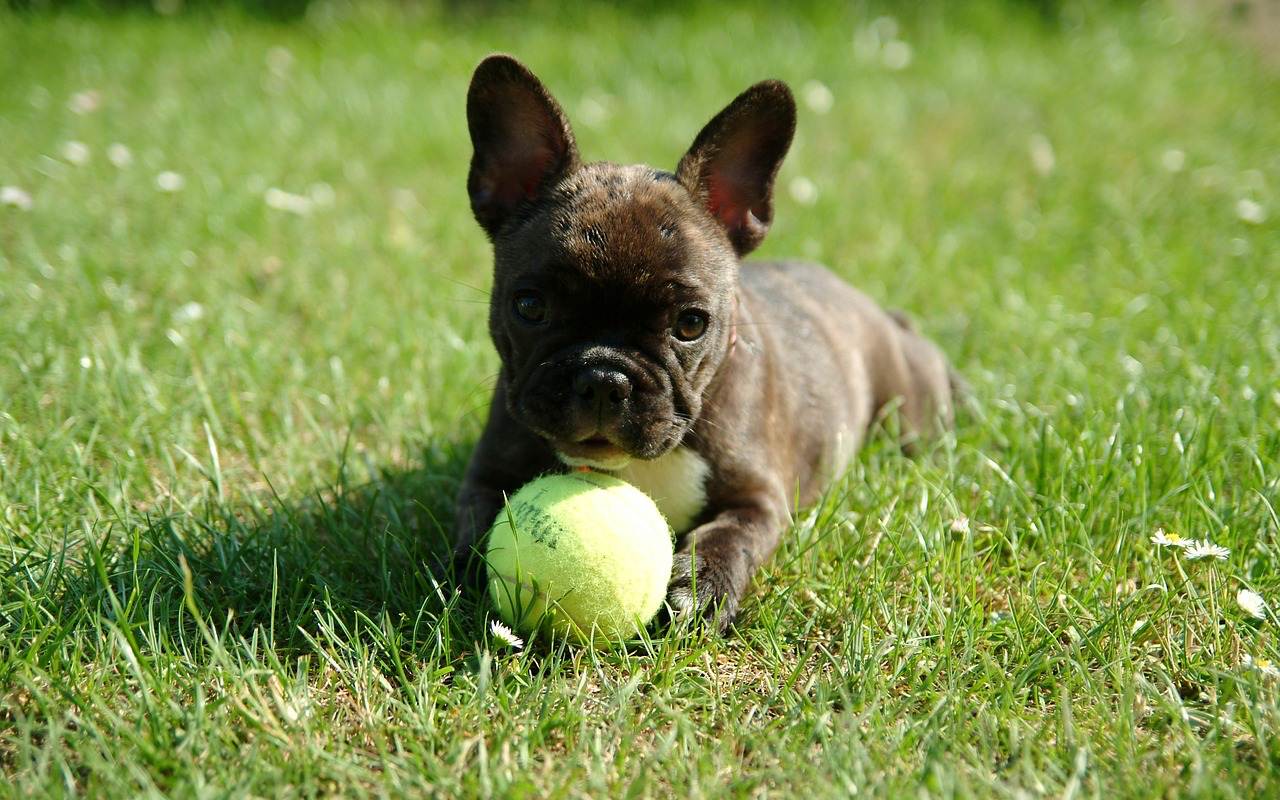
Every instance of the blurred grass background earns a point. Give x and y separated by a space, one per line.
243 357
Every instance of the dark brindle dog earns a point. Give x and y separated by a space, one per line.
633 339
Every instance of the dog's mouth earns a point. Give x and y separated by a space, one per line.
596 451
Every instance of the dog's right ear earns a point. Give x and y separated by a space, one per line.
522 141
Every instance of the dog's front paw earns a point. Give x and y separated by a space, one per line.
699 588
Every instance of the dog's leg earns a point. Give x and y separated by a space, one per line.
477 507
717 559
506 457
920 376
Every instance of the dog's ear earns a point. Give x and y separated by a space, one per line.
732 164
521 139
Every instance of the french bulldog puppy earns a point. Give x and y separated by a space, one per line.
634 339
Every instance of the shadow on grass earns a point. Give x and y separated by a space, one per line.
349 563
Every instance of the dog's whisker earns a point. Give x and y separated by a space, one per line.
465 285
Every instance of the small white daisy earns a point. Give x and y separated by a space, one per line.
86 102
279 60
16 197
76 153
1163 539
1204 548
803 191
818 97
506 635
960 524
896 55
168 181
1263 665
119 155
885 28
1173 160
188 312
1042 156
321 194
281 200
593 110
1251 212
1252 603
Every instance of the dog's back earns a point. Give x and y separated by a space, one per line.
848 361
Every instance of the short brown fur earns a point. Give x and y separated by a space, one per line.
600 272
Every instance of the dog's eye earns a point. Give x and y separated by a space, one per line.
530 307
690 325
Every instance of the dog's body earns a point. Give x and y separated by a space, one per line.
634 340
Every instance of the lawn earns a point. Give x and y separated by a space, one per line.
243 356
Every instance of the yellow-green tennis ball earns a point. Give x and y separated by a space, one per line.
589 557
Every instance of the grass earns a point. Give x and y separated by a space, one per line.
230 434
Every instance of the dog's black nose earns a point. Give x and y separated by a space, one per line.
601 388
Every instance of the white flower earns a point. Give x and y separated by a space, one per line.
818 97
960 524
1204 548
279 59
1162 539
168 181
76 152
16 197
896 54
885 27
1251 212
1042 157
85 102
281 200
119 155
803 191
321 194
1252 603
593 110
188 312
505 635
1263 665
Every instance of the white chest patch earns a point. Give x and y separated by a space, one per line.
677 482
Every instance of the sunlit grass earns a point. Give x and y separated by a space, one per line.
243 356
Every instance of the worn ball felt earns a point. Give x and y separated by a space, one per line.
585 555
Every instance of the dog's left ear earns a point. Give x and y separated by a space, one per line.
732 164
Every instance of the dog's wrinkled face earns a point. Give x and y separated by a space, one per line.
611 310
614 286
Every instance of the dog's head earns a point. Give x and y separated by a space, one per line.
614 286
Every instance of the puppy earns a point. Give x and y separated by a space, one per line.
634 339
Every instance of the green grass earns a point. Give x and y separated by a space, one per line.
215 519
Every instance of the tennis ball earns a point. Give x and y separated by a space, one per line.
588 557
